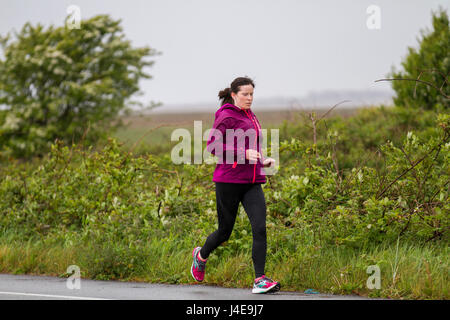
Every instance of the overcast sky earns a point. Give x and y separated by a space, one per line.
289 48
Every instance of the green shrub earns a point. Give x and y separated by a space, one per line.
430 63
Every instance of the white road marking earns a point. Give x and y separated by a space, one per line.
50 296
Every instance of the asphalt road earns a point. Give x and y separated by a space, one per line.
28 287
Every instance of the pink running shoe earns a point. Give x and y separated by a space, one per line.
198 266
265 285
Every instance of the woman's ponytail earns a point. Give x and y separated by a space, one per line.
225 96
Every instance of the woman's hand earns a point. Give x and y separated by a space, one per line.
268 162
252 155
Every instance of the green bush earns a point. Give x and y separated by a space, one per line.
429 64
408 197
58 82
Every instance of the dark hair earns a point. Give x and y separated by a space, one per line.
225 95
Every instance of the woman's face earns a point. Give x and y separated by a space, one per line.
244 98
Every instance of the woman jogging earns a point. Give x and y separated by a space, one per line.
238 177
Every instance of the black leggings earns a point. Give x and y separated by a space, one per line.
228 197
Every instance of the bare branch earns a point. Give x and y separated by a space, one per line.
332 109
431 70
421 81
446 137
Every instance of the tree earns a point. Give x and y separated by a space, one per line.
426 70
58 82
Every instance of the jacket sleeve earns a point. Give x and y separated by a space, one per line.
217 145
259 144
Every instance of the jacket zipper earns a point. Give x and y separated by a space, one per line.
256 138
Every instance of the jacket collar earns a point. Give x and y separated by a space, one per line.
236 107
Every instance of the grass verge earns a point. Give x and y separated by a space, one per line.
406 271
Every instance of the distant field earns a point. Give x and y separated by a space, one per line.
155 130
265 117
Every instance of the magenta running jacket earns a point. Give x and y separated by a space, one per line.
232 167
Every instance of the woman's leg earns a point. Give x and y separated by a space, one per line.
255 206
228 196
